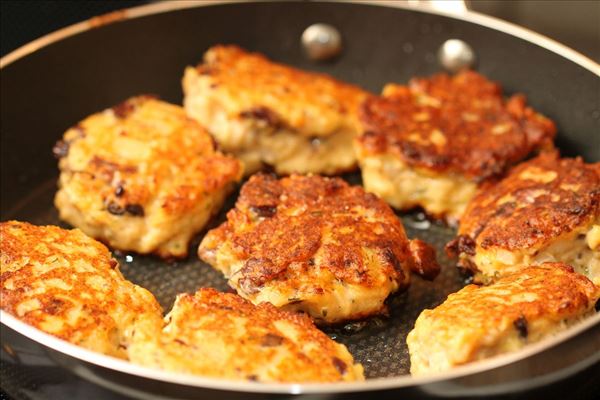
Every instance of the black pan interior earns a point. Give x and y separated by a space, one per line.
48 91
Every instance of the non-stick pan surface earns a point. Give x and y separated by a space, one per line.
53 88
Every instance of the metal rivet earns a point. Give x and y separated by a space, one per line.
455 55
321 42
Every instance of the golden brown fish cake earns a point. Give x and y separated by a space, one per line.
67 284
269 113
317 245
430 143
222 335
481 322
142 176
546 209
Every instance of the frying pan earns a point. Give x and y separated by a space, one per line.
52 83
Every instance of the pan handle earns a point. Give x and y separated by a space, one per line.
447 6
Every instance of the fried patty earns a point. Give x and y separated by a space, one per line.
67 284
222 335
272 114
430 143
481 322
546 209
142 176
316 245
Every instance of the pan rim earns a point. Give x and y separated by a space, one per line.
166 6
126 367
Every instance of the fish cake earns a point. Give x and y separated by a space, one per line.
480 322
430 144
67 284
317 245
546 209
222 335
142 177
270 114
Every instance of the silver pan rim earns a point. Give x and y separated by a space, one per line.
166 6
126 367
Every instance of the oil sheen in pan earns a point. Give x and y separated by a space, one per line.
378 343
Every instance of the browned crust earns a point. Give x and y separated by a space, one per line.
520 212
453 124
479 322
211 311
277 223
145 164
190 151
277 91
424 259
34 256
559 293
